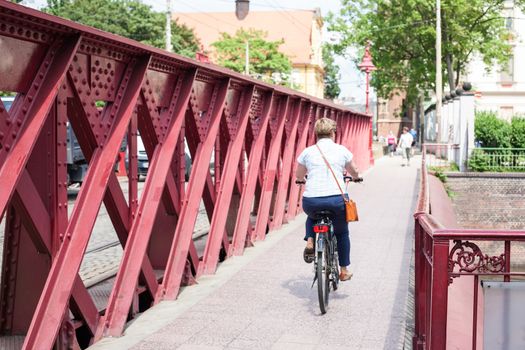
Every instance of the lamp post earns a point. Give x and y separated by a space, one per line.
169 47
367 66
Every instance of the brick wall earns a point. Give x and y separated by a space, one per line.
489 200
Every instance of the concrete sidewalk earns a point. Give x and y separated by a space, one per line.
263 299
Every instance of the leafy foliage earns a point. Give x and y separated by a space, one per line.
491 131
128 18
479 161
517 137
403 39
439 172
331 73
264 56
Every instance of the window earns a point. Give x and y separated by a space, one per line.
507 73
382 107
508 14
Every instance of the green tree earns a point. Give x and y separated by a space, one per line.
517 138
491 131
265 60
403 39
128 18
331 73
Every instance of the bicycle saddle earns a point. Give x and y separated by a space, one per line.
322 214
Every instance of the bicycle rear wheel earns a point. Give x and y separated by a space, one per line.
335 265
323 279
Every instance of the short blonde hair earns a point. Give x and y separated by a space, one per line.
324 127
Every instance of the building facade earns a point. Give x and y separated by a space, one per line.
300 30
502 89
392 115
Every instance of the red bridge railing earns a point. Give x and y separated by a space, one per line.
62 73
449 262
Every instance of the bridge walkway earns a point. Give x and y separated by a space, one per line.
263 300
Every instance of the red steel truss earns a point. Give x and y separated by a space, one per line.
62 73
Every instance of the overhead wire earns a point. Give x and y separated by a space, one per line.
277 7
283 10
258 4
208 14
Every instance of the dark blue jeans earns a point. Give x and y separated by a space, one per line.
335 204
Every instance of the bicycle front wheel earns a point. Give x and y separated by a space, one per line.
323 280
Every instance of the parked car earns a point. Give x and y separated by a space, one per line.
76 162
143 161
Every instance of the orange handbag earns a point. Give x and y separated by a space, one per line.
350 206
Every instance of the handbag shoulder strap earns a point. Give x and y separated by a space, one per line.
333 174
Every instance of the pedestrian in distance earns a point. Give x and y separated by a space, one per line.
391 142
322 192
405 144
414 137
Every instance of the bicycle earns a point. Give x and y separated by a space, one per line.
326 259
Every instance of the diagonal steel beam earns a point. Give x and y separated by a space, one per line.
114 200
170 196
181 242
37 219
122 294
222 204
301 145
263 214
53 301
248 191
284 179
33 115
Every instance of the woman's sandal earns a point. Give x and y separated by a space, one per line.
309 255
345 276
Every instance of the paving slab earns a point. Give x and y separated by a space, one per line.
263 299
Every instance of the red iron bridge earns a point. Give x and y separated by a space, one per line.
242 137
61 73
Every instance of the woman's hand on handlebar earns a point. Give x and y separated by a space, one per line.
300 182
350 178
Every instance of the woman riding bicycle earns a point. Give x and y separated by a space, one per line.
321 191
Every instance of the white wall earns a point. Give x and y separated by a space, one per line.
493 93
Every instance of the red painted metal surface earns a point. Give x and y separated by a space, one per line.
444 252
61 73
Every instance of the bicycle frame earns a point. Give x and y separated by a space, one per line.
327 273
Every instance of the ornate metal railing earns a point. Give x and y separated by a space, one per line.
443 253
62 73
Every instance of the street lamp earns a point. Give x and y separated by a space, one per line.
169 47
367 66
241 8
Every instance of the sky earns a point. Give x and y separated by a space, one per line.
352 82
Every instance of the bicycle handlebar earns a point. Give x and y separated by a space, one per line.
346 179
350 178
